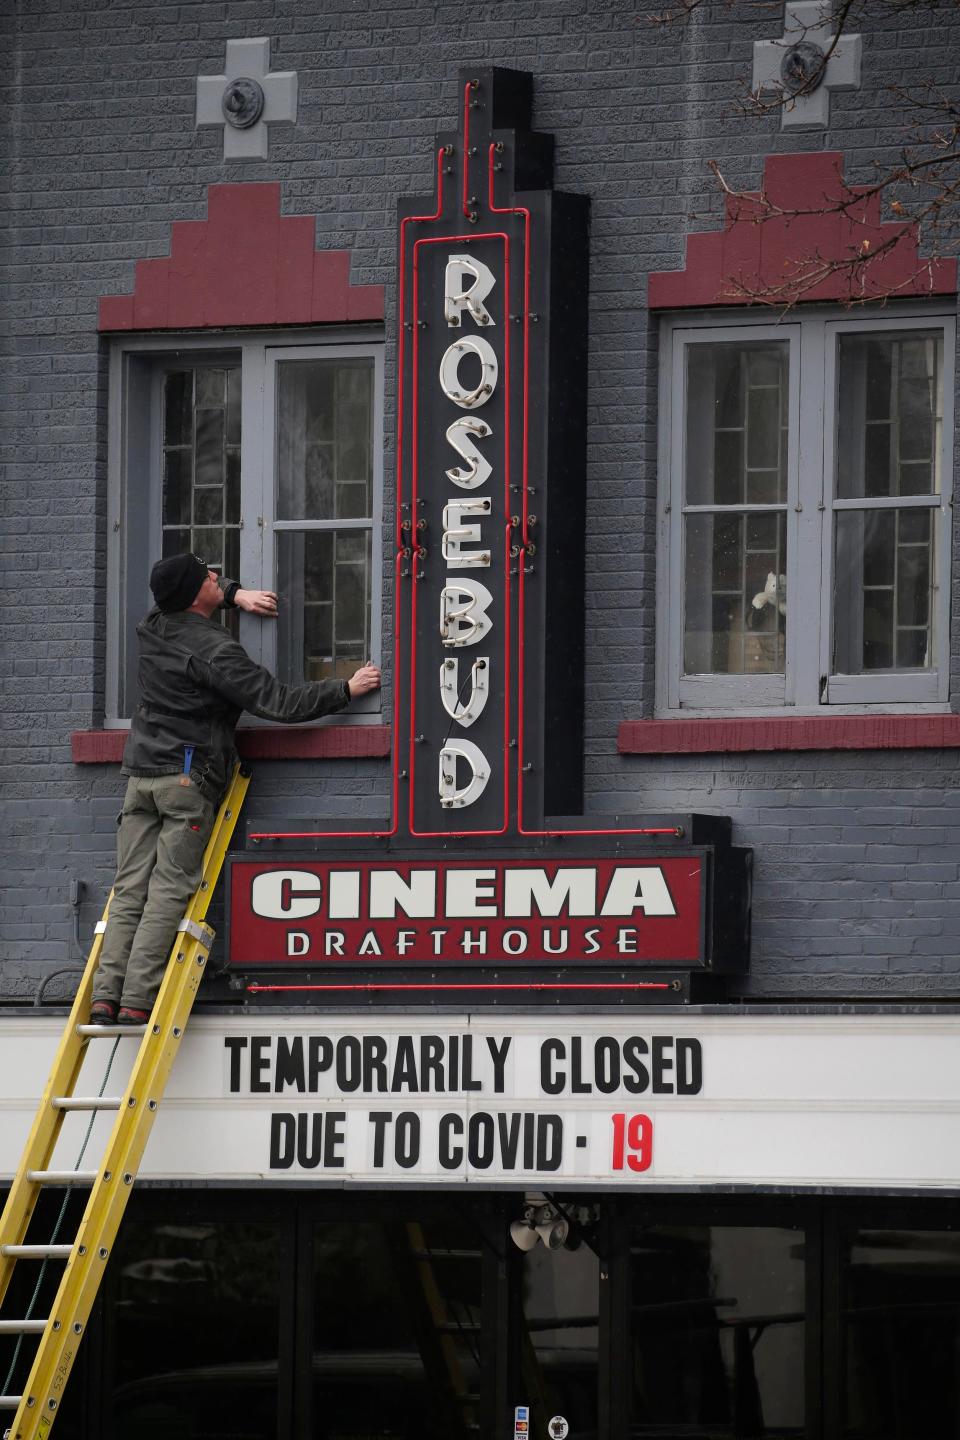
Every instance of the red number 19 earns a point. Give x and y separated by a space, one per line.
632 1133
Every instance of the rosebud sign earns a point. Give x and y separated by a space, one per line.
491 406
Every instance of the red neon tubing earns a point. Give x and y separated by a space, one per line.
674 830
466 149
433 985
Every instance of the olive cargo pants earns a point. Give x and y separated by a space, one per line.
164 828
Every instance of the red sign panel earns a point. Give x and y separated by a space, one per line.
478 912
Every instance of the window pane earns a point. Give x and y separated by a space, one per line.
397 1355
324 585
208 544
901 1333
177 484
211 388
232 485
209 448
560 1303
737 418
884 580
200 508
196 1352
178 409
208 505
890 405
716 1331
324 441
735 600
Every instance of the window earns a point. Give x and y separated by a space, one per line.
899 1332
805 517
265 458
323 520
198 1349
717 1330
200 466
411 1315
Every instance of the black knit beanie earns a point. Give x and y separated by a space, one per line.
176 581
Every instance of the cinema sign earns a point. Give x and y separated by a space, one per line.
495 911
486 875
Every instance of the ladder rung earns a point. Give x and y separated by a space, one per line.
109 1032
87 1102
10 1402
22 1327
61 1177
36 1252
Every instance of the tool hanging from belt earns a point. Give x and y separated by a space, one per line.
187 763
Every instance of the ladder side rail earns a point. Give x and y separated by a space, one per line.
108 1198
48 1120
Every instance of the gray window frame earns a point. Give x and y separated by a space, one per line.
807 686
133 469
272 527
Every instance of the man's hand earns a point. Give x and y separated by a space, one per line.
365 679
257 602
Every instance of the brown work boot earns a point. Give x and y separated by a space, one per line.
129 1016
103 1012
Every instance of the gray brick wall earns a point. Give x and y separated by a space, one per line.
857 855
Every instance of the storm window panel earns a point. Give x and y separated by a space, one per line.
264 457
804 518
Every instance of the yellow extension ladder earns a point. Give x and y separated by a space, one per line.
86 1258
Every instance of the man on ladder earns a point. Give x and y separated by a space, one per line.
194 681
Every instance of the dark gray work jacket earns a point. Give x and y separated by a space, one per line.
195 681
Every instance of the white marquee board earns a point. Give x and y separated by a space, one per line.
651 1099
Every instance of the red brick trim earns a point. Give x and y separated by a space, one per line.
326 742
758 250
811 732
97 747
246 264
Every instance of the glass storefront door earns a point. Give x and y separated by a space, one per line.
557 1339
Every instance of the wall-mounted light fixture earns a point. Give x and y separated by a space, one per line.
540 1220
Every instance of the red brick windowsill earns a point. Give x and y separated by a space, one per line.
808 732
325 742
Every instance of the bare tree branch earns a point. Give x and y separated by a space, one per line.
921 188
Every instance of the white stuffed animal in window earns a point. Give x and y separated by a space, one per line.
774 592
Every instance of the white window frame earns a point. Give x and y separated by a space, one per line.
807 686
130 439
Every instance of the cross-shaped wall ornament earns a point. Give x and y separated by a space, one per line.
246 98
796 61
